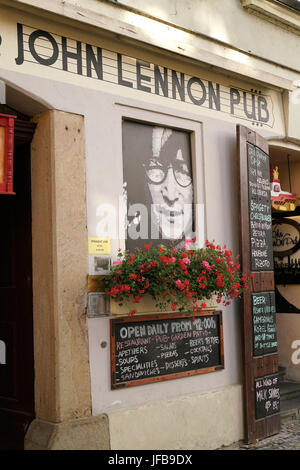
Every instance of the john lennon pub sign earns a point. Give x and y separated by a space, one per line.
69 55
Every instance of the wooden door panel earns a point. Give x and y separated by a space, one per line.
260 356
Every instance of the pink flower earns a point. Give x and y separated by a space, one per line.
173 259
206 265
180 284
188 243
117 262
186 261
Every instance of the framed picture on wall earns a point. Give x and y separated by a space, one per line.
158 184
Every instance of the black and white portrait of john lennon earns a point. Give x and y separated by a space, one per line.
158 185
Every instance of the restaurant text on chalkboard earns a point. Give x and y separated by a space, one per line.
267 396
152 348
260 215
264 323
260 347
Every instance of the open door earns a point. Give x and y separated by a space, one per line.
260 355
16 319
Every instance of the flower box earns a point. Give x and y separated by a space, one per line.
147 305
166 279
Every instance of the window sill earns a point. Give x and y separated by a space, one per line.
274 12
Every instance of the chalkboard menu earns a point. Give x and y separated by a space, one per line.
160 347
264 323
261 243
267 396
260 354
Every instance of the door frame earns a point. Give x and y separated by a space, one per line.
264 366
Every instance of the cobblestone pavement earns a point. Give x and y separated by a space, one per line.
287 439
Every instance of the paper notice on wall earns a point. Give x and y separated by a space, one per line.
99 246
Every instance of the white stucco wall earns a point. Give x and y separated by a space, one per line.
103 104
226 21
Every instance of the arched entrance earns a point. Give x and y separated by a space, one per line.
17 408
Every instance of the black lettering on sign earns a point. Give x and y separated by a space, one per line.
250 114
68 55
96 61
77 57
267 396
121 81
235 99
141 77
178 86
214 96
260 210
192 92
160 347
263 112
264 323
38 56
161 81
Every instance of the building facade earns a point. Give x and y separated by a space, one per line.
89 81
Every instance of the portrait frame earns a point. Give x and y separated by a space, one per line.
158 184
180 124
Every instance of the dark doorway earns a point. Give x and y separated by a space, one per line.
16 317
286 249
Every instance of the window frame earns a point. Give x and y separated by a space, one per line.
293 4
149 115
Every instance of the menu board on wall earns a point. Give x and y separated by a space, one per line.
160 347
261 243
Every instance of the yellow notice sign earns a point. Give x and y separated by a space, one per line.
99 246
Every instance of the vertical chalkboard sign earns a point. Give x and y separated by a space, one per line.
260 358
261 243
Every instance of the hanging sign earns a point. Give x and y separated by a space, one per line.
286 237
